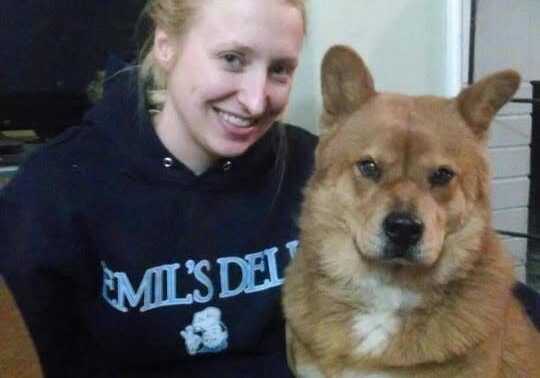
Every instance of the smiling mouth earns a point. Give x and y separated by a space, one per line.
235 120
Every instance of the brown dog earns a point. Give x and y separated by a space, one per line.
399 273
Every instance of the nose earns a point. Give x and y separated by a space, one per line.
253 94
403 228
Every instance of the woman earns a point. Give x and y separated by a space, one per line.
152 241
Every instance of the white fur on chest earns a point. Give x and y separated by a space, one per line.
375 327
309 371
360 374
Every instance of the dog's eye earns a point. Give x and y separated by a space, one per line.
441 177
369 169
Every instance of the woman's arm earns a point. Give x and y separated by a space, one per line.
38 260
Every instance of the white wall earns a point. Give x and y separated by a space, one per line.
405 43
507 36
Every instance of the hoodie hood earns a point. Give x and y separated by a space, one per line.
121 116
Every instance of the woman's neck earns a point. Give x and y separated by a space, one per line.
179 142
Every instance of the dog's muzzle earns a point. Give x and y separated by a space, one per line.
404 231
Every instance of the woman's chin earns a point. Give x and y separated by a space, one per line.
231 149
228 147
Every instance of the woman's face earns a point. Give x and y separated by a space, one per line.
230 78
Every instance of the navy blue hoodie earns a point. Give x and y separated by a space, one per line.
126 264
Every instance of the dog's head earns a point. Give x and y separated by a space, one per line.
406 177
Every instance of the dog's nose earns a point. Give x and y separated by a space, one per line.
403 229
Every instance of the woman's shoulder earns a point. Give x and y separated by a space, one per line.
47 169
301 134
300 151
300 140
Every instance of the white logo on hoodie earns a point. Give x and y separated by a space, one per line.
207 333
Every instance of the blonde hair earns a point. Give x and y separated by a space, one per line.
175 17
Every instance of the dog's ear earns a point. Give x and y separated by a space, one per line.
481 101
345 80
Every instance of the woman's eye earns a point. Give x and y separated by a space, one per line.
441 177
281 72
233 60
368 168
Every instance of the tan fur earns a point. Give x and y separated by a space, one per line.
448 311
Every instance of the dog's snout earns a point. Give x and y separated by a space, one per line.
403 229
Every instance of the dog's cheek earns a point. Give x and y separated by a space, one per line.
475 181
350 210
456 210
471 191
355 196
340 258
330 193
340 214
435 221
371 207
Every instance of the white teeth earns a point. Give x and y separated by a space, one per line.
234 120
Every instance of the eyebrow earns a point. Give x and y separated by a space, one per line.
293 62
240 47
233 46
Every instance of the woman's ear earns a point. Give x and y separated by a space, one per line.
164 49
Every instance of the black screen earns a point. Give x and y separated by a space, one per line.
50 51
